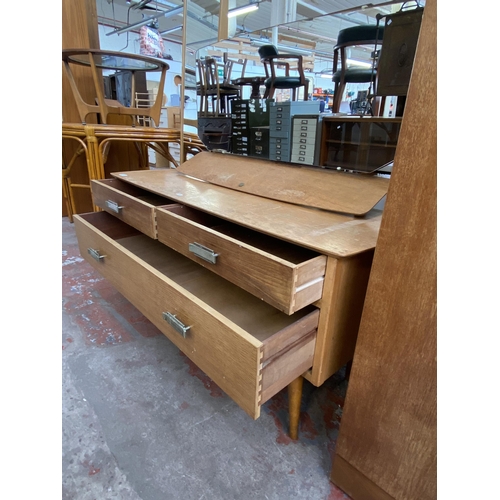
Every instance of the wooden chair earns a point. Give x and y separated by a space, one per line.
67 184
100 59
371 35
94 141
218 89
271 59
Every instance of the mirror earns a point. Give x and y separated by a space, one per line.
311 31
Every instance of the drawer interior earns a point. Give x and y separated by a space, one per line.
248 312
281 249
135 192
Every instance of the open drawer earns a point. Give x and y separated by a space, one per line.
250 349
131 204
284 275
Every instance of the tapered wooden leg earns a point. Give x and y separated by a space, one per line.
294 399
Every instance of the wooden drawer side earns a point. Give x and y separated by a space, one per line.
288 355
309 280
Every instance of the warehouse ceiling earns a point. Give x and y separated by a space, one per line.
304 25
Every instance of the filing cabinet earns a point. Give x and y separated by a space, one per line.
280 126
305 139
249 116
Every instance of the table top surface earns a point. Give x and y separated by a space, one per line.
107 59
329 233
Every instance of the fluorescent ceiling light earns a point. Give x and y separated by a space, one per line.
242 10
171 30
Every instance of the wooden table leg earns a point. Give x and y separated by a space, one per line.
294 399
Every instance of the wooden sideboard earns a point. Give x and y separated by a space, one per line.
257 292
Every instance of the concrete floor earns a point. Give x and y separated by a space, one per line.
142 422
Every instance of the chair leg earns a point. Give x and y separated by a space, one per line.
66 187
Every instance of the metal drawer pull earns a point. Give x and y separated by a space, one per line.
95 254
203 252
113 206
178 326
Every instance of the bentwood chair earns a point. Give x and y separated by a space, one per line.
271 59
365 35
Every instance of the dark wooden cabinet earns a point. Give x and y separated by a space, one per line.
358 143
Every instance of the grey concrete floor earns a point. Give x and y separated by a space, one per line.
142 422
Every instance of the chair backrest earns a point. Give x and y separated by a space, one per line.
271 58
230 66
100 59
370 34
266 53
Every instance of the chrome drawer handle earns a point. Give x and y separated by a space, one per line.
113 206
95 254
177 325
203 252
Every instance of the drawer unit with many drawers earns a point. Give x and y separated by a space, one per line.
280 125
305 139
248 117
220 274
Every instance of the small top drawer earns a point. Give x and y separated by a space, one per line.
284 275
128 203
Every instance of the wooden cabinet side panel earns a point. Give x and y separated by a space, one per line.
340 314
388 430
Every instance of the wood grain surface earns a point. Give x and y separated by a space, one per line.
388 429
241 259
312 187
329 233
227 325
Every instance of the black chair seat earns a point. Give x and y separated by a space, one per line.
355 75
284 82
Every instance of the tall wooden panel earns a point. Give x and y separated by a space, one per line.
79 29
387 443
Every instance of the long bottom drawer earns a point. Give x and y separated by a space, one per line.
250 349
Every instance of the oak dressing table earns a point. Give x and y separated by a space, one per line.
243 265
